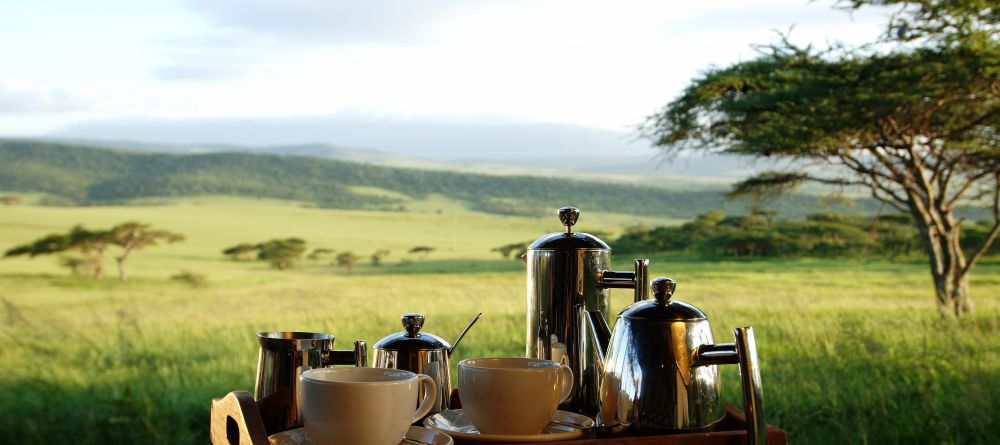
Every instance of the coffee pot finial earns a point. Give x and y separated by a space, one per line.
568 215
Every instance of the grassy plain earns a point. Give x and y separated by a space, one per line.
852 350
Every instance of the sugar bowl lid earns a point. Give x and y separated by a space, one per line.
568 240
411 339
661 307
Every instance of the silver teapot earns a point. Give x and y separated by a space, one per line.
660 371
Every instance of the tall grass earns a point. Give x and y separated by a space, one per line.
851 351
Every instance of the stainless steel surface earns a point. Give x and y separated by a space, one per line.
559 280
753 396
661 372
433 363
282 357
636 280
420 352
650 383
566 271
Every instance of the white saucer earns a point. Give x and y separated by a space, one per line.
455 423
299 436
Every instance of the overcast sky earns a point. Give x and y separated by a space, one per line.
601 64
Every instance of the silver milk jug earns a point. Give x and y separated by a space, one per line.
661 372
565 270
285 355
420 352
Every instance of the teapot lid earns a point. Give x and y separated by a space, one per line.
411 339
661 307
568 240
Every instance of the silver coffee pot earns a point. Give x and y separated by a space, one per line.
661 373
285 355
565 270
420 352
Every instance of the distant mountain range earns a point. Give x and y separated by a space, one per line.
477 146
75 174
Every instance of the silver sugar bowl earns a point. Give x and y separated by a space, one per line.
420 352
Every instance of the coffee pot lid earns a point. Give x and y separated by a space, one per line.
568 240
661 307
411 339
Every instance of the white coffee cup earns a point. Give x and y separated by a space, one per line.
512 396
362 406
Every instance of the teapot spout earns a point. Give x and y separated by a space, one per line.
600 332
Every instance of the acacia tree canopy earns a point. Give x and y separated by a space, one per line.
915 126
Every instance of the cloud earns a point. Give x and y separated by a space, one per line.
14 100
326 22
204 64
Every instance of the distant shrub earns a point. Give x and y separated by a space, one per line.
242 251
512 250
378 256
320 253
422 250
761 234
190 278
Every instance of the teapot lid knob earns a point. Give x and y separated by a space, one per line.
412 323
568 215
663 289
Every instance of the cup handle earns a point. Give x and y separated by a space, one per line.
566 378
430 397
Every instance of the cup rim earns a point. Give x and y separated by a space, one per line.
482 364
403 376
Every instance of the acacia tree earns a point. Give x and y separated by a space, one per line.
133 236
281 253
916 126
90 243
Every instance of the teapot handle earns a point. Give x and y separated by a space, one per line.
753 398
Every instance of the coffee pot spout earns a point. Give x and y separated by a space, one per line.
600 333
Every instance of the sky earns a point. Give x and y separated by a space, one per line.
597 64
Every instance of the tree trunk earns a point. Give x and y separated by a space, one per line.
122 276
947 264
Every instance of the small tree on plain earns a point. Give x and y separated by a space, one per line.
422 250
90 243
242 251
134 236
320 253
282 253
378 256
347 259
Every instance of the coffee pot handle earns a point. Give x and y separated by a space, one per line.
753 397
637 280
357 356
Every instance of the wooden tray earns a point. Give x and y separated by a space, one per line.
236 421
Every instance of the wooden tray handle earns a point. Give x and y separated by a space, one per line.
236 421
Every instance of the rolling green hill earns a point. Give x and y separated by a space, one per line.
79 175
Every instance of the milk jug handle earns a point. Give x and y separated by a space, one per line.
357 356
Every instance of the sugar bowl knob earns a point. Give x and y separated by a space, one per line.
412 323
